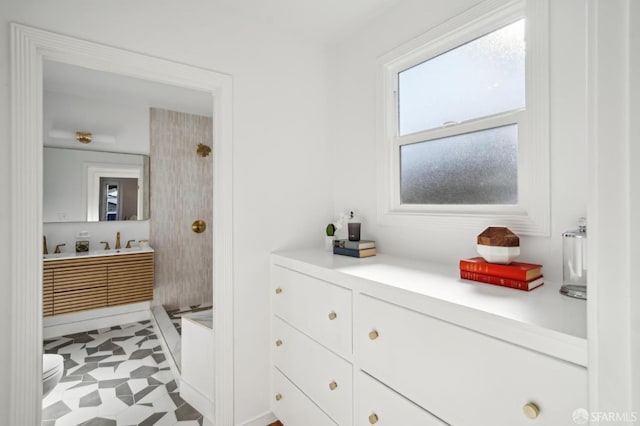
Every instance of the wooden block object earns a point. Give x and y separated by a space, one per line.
498 236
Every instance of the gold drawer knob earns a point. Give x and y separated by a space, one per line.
531 410
333 385
278 342
278 397
373 419
373 335
332 315
278 290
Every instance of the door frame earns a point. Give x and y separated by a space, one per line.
29 48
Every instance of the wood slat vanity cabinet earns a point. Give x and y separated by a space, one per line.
76 284
387 341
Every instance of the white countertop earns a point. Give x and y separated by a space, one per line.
541 319
113 252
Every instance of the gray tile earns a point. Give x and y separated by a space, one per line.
127 399
69 364
154 382
97 358
141 353
85 368
55 411
90 400
82 384
103 384
144 392
175 396
187 412
109 347
71 378
135 335
99 421
111 364
159 358
152 419
88 378
143 372
123 389
172 386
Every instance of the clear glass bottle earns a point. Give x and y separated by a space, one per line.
574 261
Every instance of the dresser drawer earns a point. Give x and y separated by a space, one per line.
322 375
317 308
461 376
292 407
379 405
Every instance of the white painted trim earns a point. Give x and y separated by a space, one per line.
175 371
197 400
610 305
261 420
77 322
29 47
532 215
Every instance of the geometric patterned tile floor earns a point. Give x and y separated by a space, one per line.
116 376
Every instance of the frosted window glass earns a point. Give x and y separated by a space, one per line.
473 168
483 77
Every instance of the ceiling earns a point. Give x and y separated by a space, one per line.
322 20
98 85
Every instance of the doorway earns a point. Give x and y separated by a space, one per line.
29 48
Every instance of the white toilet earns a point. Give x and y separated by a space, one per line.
52 369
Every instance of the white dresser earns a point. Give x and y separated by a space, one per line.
388 341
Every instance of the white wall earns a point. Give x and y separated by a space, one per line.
353 97
281 194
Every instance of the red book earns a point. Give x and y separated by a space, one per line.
515 270
504 282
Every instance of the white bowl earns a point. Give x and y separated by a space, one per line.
496 254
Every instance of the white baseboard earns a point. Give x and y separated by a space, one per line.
198 400
78 322
261 420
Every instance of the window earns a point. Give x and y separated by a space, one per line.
465 122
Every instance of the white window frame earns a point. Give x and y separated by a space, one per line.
531 216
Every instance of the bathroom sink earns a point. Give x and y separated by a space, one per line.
93 253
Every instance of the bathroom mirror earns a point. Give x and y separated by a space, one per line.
92 186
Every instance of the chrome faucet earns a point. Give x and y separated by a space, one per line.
106 245
118 241
129 243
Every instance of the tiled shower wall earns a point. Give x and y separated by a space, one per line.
181 192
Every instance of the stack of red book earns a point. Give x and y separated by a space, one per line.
519 275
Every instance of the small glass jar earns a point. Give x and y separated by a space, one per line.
574 262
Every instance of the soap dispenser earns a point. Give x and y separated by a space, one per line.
574 261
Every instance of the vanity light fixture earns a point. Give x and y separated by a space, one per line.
82 137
